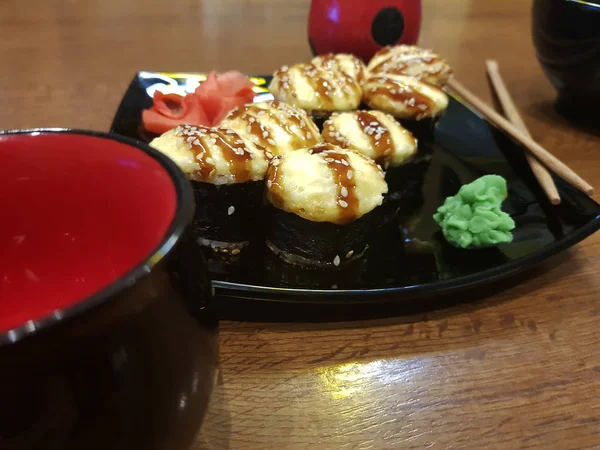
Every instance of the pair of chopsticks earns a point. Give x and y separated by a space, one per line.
540 160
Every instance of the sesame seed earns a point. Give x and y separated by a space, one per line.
210 161
251 119
374 124
230 210
275 162
269 183
378 137
235 251
265 134
329 160
369 131
343 203
269 155
344 191
336 260
197 142
344 162
271 141
349 175
230 131
349 254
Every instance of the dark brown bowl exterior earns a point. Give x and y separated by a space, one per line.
132 371
566 35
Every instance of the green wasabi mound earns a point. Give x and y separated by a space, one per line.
473 218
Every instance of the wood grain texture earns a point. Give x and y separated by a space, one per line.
518 369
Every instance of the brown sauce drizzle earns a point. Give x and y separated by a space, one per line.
232 147
360 72
275 114
283 79
329 62
238 112
384 51
333 136
291 117
320 84
397 65
262 135
284 117
323 82
195 137
274 186
343 176
379 135
332 61
415 102
235 153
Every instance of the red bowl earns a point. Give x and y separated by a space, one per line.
106 335
362 27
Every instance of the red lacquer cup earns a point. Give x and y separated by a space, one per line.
362 27
106 335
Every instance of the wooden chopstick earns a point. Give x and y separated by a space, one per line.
511 111
543 155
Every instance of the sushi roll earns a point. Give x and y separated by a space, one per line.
316 89
375 134
324 201
378 136
278 272
344 62
274 127
227 175
411 61
416 104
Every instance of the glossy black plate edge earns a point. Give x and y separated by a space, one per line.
232 290
119 113
238 291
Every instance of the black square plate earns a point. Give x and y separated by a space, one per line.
411 258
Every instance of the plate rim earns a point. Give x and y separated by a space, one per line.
302 295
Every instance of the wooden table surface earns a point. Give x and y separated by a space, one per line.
516 367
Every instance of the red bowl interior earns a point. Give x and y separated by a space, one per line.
77 212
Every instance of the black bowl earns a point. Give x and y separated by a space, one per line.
566 35
129 367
